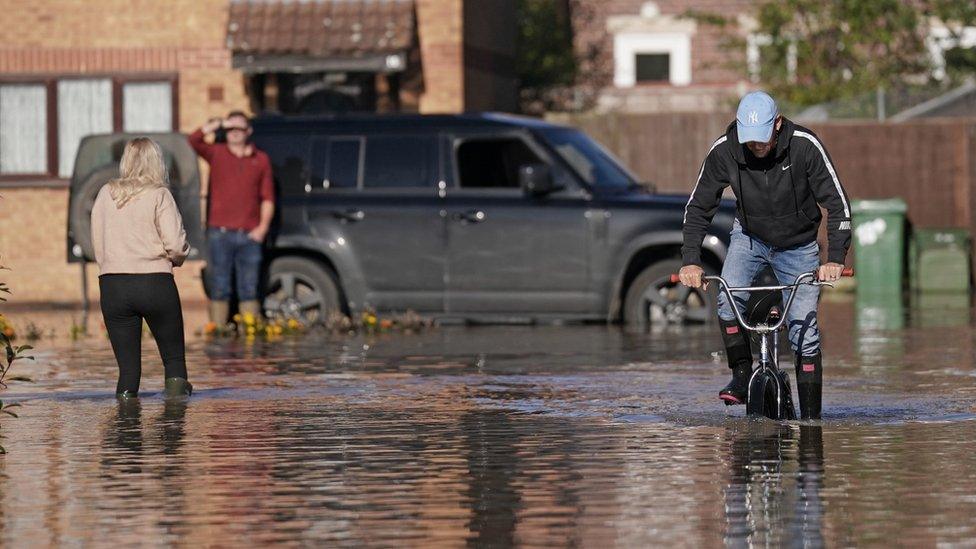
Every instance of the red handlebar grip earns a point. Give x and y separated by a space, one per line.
848 271
675 279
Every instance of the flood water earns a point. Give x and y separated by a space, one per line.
498 436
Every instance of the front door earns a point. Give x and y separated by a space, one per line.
374 201
510 253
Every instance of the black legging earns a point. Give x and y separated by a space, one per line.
127 299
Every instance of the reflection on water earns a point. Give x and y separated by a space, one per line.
496 436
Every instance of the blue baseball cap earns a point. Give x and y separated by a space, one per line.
756 116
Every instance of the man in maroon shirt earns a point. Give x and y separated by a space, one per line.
241 206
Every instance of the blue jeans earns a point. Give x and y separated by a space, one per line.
233 255
746 258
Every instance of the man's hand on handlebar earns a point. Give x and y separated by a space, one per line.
829 272
691 276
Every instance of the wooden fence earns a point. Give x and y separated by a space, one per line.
931 164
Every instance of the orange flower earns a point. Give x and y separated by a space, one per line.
210 328
386 324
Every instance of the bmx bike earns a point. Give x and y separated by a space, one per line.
770 393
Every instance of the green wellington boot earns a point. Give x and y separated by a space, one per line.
177 386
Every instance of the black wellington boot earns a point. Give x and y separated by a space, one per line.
739 355
809 385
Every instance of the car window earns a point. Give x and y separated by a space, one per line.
288 155
493 163
398 161
344 163
593 163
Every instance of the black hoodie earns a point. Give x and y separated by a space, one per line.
777 196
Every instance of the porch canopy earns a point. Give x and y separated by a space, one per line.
296 36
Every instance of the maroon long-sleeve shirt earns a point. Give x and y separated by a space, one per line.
238 185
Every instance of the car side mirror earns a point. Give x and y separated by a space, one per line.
536 179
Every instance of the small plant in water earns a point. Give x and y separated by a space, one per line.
10 355
248 326
78 331
33 332
370 322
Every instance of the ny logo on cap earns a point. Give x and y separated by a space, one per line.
753 117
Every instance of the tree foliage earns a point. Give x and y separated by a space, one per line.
822 50
545 57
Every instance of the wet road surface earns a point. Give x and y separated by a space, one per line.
497 436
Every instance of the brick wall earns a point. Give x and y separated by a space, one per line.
716 69
33 226
440 28
70 38
51 38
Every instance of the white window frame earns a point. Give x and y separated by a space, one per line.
627 45
940 39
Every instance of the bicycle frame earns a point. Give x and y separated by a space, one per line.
768 333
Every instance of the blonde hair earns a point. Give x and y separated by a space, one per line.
141 169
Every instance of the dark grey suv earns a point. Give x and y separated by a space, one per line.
481 217
487 217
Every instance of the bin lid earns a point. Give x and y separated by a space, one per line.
942 237
879 205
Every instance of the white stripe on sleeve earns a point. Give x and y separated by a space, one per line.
717 142
830 168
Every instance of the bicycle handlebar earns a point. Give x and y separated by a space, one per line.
802 279
675 278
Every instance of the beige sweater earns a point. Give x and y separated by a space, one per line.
144 236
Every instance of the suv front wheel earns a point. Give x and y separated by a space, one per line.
302 289
653 300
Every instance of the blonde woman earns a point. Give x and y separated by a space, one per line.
138 236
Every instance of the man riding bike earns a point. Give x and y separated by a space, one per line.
780 174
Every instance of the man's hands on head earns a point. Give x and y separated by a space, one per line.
212 125
829 272
691 276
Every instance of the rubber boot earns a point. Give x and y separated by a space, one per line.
809 385
177 386
127 395
219 311
739 355
250 307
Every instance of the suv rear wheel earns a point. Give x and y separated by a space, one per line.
652 299
302 289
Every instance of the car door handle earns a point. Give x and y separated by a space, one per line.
351 216
470 216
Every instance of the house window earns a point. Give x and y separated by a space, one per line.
653 67
84 108
23 129
147 107
652 57
43 121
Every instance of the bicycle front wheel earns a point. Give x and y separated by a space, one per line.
762 396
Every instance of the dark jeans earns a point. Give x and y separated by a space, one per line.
233 255
127 299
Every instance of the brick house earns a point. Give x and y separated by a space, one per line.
69 68
645 56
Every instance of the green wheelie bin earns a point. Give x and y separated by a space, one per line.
879 244
939 260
